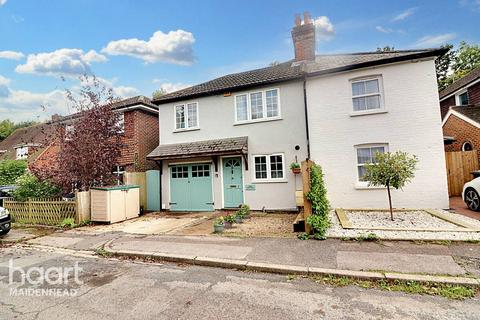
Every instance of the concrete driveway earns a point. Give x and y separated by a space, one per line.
150 224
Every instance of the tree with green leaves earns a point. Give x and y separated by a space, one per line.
29 186
158 93
391 170
442 65
10 170
7 127
386 49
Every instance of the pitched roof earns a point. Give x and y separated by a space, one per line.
200 148
39 135
470 77
472 112
292 70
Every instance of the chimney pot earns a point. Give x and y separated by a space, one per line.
303 36
298 20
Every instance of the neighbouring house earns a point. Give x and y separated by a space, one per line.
463 92
460 106
231 140
139 116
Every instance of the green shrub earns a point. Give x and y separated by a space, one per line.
30 187
67 223
10 170
243 211
320 206
230 218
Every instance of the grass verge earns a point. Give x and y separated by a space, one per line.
456 292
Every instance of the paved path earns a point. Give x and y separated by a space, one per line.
121 290
457 205
406 257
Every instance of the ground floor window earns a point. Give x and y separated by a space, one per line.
366 154
269 167
119 172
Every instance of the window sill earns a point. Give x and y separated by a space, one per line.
367 112
184 130
270 181
256 120
361 186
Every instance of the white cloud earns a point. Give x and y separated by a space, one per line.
2 2
434 40
118 91
13 55
4 90
405 14
62 62
384 30
169 86
174 47
324 28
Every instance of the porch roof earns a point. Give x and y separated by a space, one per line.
206 148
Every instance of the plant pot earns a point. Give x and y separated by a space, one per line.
297 170
218 228
238 219
227 224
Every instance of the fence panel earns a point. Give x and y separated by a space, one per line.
41 211
460 165
139 179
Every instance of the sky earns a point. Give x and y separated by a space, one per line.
136 47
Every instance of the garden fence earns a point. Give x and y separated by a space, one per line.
41 211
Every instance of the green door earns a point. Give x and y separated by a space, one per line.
191 187
232 182
153 190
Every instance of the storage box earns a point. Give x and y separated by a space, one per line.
115 203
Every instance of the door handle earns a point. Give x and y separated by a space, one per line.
170 203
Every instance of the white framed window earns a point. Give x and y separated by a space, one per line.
269 167
366 154
22 153
121 123
367 94
186 116
257 106
69 130
461 98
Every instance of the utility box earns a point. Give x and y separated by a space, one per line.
115 203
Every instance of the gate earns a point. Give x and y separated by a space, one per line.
153 190
460 165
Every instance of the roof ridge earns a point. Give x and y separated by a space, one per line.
377 52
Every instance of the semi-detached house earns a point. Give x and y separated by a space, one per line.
231 140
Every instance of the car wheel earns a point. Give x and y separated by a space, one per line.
472 200
4 232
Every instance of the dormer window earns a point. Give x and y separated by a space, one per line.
69 130
22 153
462 98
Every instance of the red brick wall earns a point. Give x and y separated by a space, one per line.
139 139
462 131
446 104
474 94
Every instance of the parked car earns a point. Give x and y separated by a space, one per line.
471 194
6 192
5 221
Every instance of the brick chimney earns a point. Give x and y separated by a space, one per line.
56 117
303 35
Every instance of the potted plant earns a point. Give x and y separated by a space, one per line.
295 167
218 225
228 221
238 217
245 210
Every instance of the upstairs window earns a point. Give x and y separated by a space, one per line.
366 154
69 131
22 153
257 106
366 94
186 116
462 98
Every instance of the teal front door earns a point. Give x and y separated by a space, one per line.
191 187
232 182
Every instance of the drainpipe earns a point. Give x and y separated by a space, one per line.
306 115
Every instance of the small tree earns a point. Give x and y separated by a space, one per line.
10 170
158 93
30 186
90 149
392 170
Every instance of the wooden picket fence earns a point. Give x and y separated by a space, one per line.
41 211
